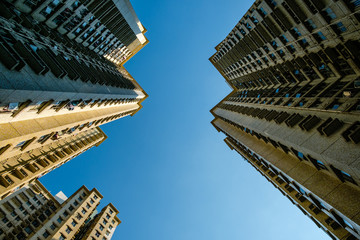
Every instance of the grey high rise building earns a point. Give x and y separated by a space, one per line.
62 76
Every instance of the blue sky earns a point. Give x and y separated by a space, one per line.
167 169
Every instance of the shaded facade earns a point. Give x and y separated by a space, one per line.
33 213
294 109
61 78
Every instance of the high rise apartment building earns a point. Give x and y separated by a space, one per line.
33 213
61 78
294 109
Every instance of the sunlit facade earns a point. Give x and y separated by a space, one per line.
294 109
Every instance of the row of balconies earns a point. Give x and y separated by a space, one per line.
16 108
18 175
343 176
329 88
322 64
43 60
281 55
307 201
57 135
306 123
53 18
291 190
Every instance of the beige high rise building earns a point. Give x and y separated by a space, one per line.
33 213
294 109
61 78
27 165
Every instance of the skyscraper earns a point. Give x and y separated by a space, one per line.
294 109
33 213
62 77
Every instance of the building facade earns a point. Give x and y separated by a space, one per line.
294 109
61 78
33 213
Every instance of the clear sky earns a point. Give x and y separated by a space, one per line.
167 169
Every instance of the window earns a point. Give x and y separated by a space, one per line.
291 48
302 191
74 223
46 234
76 203
110 227
354 3
284 39
52 227
80 198
83 211
113 222
28 230
59 220
274 44
9 180
348 224
101 227
340 27
5 220
344 176
97 234
71 208
318 164
23 172
43 138
111 211
263 12
78 216
10 107
310 24
36 223
68 230
84 194
91 201
272 2
95 197
62 237
42 217
320 36
296 32
66 214
330 14
107 216
30 3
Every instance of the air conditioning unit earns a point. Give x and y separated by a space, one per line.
347 94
